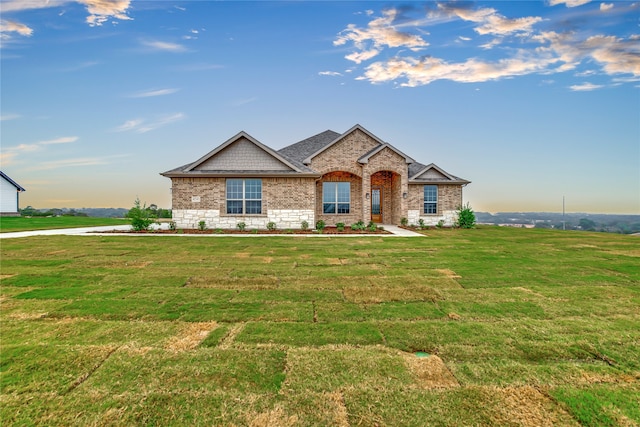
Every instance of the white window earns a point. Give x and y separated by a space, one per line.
336 197
431 199
244 196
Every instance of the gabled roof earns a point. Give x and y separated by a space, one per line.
12 182
233 140
283 164
431 173
302 149
308 159
365 159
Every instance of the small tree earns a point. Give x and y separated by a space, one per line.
466 217
141 216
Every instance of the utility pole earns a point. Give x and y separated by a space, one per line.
563 221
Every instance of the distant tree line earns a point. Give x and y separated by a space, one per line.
608 223
92 212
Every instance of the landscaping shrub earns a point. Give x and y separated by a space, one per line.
241 226
271 226
340 226
320 225
466 217
202 225
141 216
304 225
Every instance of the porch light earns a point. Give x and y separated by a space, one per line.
366 196
404 195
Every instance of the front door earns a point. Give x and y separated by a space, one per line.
376 205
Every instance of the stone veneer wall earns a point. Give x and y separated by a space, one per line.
449 200
285 201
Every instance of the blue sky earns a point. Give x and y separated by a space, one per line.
531 101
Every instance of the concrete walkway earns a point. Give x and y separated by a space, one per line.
106 231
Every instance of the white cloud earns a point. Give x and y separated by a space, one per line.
100 11
154 92
144 126
466 39
63 140
14 27
568 3
164 46
329 73
380 32
526 50
606 6
489 20
418 72
359 57
585 87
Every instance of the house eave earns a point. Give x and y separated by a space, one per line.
439 181
236 174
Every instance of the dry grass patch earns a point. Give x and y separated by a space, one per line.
242 255
233 283
448 273
190 336
430 372
526 406
274 418
374 295
229 339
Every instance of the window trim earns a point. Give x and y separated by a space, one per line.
433 203
244 198
336 199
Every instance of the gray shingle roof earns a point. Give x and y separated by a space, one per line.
303 149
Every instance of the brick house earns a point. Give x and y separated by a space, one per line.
333 177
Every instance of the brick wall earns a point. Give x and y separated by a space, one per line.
344 155
355 209
288 199
449 199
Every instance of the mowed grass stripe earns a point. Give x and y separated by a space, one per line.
520 327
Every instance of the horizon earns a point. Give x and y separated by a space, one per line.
530 101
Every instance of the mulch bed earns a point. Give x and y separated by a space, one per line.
327 230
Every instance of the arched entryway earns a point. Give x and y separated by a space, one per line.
385 197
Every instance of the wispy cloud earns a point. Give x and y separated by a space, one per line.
153 92
585 87
9 117
568 3
100 11
10 154
157 45
76 162
244 101
62 140
329 73
7 27
144 125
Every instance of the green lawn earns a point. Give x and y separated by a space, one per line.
10 224
492 326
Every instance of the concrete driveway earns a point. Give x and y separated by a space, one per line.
107 231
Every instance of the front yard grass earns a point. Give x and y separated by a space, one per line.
492 326
11 224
